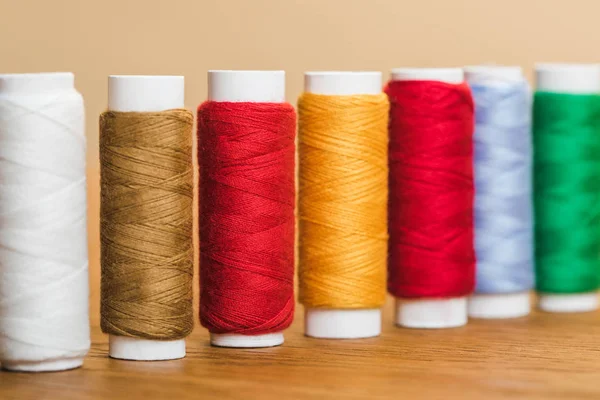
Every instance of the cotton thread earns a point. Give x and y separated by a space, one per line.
146 224
503 181
567 192
431 190
343 200
44 323
247 196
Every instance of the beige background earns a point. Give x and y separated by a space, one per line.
187 37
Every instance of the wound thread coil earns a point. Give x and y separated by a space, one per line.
432 260
246 157
566 132
503 192
146 224
343 200
44 321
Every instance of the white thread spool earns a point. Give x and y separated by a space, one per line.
255 87
342 323
145 94
430 312
498 305
570 79
43 234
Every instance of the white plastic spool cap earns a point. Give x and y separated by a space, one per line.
500 305
571 79
430 312
140 93
135 93
246 86
36 82
39 83
448 75
255 87
568 78
493 73
342 323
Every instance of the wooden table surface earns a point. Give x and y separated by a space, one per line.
543 356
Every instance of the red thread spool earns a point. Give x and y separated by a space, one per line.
246 155
432 258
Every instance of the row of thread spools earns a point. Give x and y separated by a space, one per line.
428 182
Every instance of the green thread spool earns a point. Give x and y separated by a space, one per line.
566 134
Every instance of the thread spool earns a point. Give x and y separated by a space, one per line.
496 305
430 312
568 79
342 323
42 224
145 94
257 87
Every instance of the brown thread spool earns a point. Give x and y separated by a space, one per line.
146 218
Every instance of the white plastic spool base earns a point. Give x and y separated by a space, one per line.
500 305
571 79
246 341
39 83
135 93
127 348
254 87
44 366
565 303
342 323
430 312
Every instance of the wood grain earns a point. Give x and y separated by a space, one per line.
543 356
